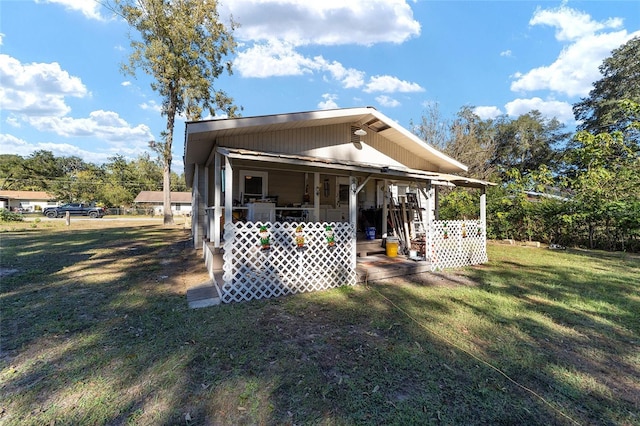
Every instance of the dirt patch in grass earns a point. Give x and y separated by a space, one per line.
449 279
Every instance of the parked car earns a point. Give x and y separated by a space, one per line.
74 209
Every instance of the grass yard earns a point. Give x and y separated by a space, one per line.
95 330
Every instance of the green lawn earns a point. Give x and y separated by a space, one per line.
96 330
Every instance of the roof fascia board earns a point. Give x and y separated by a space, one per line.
263 120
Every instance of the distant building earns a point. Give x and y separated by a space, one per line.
180 202
26 201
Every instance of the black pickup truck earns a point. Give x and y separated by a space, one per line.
74 209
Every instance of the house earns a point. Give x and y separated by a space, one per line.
180 202
26 201
280 202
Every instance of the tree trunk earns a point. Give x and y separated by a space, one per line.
166 181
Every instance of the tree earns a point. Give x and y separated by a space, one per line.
606 187
468 138
148 173
528 142
182 46
12 172
44 173
433 128
604 110
473 143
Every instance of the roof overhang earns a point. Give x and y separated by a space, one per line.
287 161
201 136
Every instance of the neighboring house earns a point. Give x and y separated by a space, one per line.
26 201
180 202
279 200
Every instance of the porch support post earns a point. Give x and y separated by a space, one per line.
353 216
353 201
385 206
217 199
483 214
207 215
436 202
228 191
429 217
195 209
316 196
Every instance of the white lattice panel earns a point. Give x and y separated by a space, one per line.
457 243
251 272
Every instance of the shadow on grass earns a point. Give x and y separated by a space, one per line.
96 331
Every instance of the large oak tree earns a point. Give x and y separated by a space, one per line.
182 44
606 109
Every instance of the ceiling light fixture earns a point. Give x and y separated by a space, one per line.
360 132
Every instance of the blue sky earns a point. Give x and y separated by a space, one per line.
61 88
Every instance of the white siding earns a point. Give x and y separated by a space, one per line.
330 141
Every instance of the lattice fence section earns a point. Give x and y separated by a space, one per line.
252 272
457 243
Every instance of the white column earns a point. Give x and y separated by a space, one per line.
217 199
228 191
385 206
428 216
436 202
353 201
316 196
353 216
483 214
195 209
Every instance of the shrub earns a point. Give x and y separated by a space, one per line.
7 216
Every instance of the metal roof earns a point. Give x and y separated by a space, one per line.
200 136
392 173
158 197
26 195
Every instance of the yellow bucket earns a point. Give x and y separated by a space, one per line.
392 246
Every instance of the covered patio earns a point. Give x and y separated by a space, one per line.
305 201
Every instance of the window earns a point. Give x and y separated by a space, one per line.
253 185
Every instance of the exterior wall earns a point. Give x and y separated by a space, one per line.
199 216
329 142
178 209
26 205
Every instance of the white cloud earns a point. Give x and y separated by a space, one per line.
279 59
506 53
89 8
327 22
576 67
329 101
273 59
348 77
10 144
387 101
1 38
390 84
550 108
37 88
151 106
125 84
105 125
487 112
272 31
571 24
35 95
